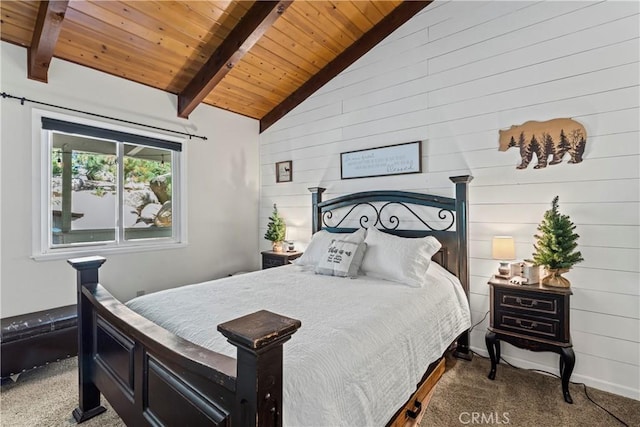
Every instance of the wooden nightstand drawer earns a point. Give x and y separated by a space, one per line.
528 325
272 259
528 302
269 262
530 310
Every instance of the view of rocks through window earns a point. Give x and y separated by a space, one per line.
94 200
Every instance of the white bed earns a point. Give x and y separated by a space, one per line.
364 343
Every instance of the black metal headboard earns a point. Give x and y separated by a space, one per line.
450 230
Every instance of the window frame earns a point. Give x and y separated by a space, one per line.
41 189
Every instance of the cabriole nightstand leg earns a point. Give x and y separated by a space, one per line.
567 362
493 347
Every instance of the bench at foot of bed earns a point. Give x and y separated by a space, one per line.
35 339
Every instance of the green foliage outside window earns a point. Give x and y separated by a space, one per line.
140 170
56 163
97 167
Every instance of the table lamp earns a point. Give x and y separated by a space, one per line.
291 236
503 249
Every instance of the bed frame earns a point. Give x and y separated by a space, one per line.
153 377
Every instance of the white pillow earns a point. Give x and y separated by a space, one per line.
398 259
321 241
342 259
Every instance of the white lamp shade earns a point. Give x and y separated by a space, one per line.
503 248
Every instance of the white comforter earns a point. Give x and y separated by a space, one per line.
363 346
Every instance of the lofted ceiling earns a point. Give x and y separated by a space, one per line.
259 59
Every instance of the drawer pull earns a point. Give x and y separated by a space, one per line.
531 325
418 409
531 303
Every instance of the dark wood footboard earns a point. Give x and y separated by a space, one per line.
153 377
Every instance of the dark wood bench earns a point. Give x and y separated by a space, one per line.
35 339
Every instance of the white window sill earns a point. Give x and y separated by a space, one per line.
66 253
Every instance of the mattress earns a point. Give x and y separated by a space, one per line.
363 346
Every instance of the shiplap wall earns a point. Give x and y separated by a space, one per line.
452 77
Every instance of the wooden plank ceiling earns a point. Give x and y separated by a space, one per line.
259 59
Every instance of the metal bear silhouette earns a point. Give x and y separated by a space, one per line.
554 138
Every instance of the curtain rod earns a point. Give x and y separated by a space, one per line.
23 100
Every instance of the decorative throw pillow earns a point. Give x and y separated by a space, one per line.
398 259
342 259
321 241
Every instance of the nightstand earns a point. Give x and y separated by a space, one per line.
276 259
533 317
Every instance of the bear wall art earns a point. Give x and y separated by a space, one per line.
550 141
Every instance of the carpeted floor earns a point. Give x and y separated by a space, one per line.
46 397
519 397
464 396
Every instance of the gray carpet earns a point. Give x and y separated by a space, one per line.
46 397
519 398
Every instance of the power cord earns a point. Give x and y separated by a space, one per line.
481 320
554 375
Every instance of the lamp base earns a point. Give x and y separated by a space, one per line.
504 271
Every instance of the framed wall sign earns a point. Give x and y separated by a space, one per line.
380 161
284 171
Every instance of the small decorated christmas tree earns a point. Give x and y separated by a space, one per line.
275 229
555 246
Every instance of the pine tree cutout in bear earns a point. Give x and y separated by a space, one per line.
544 139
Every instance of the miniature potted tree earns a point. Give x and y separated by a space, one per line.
276 230
555 246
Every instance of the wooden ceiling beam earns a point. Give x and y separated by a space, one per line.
401 14
45 37
244 35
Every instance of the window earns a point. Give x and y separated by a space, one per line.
107 189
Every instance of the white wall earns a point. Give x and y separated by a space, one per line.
222 188
452 77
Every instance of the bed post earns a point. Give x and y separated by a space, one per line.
259 338
462 213
89 395
316 215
